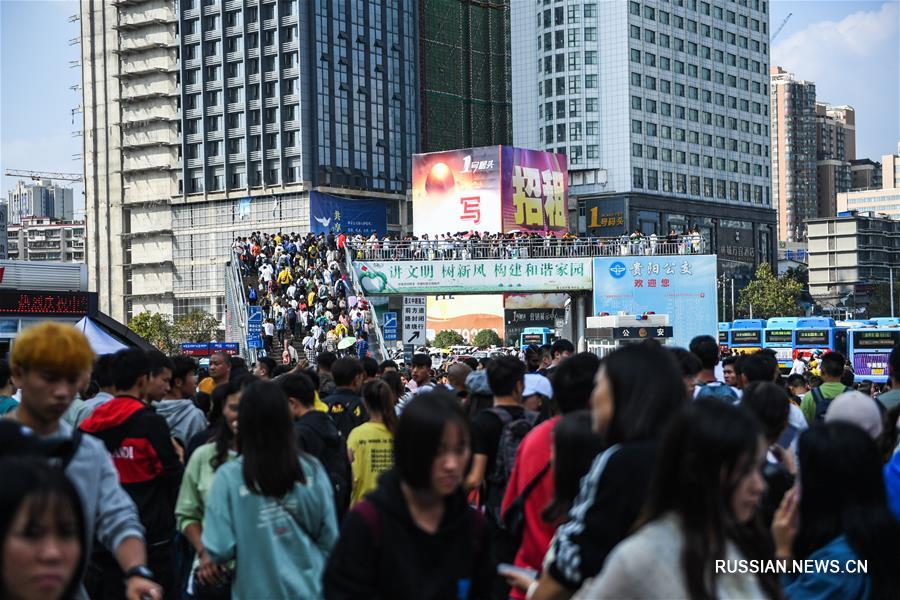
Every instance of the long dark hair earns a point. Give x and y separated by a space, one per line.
379 398
706 450
267 442
223 437
31 480
575 444
843 494
647 391
392 378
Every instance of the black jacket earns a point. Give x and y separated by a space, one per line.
317 435
144 456
346 408
383 555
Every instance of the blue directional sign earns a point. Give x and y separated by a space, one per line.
255 327
389 327
230 348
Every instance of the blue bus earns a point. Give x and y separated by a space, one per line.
885 321
820 334
747 335
869 350
724 336
537 336
779 335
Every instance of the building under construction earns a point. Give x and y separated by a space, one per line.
464 73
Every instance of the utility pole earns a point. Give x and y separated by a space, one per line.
732 299
892 292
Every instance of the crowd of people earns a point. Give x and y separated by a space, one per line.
476 245
556 475
307 299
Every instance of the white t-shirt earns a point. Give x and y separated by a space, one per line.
269 328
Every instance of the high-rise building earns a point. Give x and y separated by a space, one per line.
40 199
237 110
465 76
883 198
662 109
835 148
43 238
865 174
793 118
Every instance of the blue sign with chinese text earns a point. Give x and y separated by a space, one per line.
347 215
389 327
680 286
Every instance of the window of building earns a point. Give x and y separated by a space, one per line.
593 151
590 34
637 177
590 81
636 126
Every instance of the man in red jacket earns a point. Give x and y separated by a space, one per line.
572 386
144 456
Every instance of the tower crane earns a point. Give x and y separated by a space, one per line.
38 175
780 27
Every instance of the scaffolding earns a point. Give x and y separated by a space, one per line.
466 73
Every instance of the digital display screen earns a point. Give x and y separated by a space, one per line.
779 335
745 336
815 337
50 304
723 337
876 339
532 338
870 364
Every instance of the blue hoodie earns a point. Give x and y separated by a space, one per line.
823 585
892 484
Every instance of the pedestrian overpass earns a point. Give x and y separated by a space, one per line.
534 265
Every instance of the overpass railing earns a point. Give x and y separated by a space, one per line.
473 249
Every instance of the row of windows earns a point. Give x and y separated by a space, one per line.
708 162
716 11
664 40
669 64
680 183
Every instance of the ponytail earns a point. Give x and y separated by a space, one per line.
379 398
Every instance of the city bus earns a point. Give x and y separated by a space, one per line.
724 336
885 321
820 334
747 335
779 335
537 336
869 351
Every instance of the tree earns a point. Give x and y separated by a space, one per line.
155 328
447 338
770 296
485 338
197 326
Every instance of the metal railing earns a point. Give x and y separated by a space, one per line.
236 304
471 249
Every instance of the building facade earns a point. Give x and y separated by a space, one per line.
794 185
662 109
46 239
882 200
850 250
40 199
865 174
835 148
208 119
465 76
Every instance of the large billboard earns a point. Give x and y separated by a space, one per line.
681 286
466 315
474 277
348 215
494 189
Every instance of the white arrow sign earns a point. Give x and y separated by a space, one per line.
414 320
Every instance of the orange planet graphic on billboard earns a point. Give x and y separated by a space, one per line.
439 180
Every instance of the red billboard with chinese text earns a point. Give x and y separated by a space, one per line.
492 189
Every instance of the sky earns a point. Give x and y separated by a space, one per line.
850 48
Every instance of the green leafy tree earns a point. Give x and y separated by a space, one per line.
447 338
770 296
197 326
485 338
155 328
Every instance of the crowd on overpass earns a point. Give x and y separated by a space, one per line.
306 296
476 245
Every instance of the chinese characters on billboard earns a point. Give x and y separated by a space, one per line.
347 215
494 189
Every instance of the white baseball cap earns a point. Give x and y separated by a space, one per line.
536 383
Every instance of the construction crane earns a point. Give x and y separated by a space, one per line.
38 175
780 27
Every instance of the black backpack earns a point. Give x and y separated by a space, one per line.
822 402
514 431
346 414
334 458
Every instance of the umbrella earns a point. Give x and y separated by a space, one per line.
347 342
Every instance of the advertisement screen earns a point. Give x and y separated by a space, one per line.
535 192
456 191
682 287
348 215
876 339
871 364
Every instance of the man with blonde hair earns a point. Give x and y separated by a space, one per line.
49 362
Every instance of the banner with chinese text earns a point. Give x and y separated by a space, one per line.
348 215
682 287
535 191
474 277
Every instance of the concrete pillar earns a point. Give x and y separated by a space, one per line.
580 321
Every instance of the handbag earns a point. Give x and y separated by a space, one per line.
213 591
513 520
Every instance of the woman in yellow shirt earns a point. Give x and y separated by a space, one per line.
371 445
